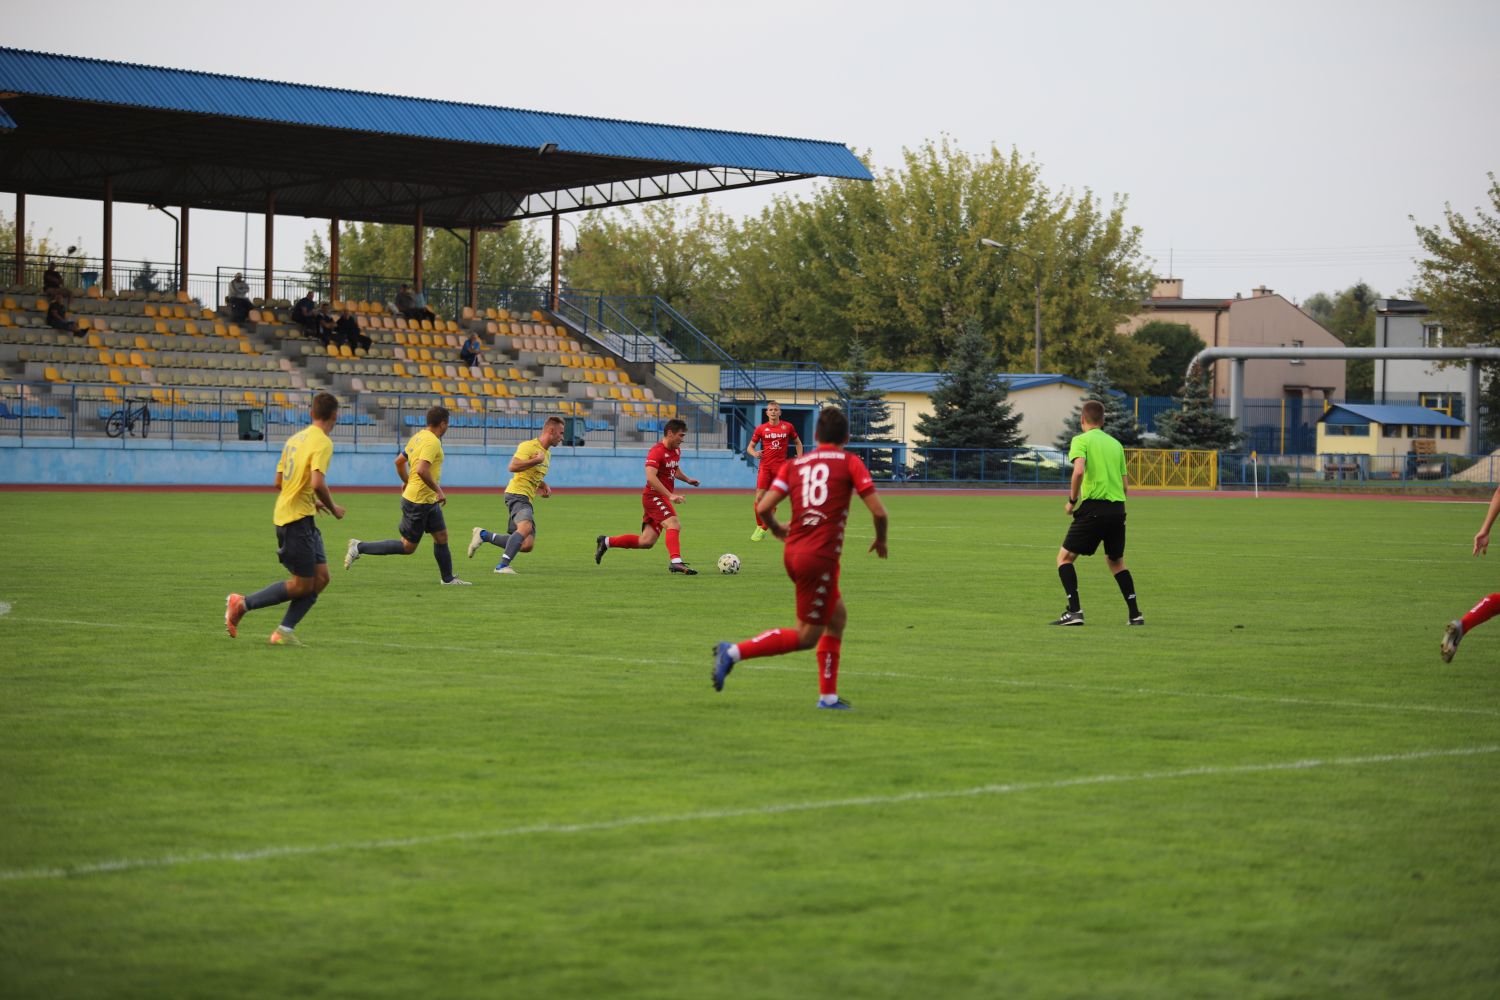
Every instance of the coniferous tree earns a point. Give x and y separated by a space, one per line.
1119 422
869 416
1195 423
971 409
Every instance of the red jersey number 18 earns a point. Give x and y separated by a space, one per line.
814 484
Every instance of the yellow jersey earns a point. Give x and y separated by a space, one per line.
528 481
423 446
304 451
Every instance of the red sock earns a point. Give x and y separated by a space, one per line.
674 547
828 665
772 643
1482 612
758 522
624 541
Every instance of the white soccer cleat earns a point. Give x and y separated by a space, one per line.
456 582
351 553
506 570
475 541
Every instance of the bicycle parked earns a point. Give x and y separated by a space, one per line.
128 419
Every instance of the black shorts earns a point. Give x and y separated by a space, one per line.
418 519
1096 521
519 506
299 546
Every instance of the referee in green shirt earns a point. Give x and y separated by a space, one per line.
1096 501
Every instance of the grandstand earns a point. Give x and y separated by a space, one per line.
196 371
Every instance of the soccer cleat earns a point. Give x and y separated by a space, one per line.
757 534
234 610
1452 633
838 706
456 582
475 541
681 567
351 553
284 637
1137 620
506 570
722 664
1069 618
600 547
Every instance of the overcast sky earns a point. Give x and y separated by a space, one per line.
1273 143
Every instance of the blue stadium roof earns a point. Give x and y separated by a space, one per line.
209 118
1368 413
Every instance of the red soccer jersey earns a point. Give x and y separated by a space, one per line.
775 442
665 461
820 485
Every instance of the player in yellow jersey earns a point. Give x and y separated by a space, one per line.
301 477
528 481
420 468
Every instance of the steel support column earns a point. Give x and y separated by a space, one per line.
474 267
182 264
270 239
417 233
1471 411
333 260
20 237
109 235
556 258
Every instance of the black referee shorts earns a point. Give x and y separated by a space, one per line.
1096 521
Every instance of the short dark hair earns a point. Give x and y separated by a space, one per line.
1093 411
554 419
324 405
437 416
833 426
674 425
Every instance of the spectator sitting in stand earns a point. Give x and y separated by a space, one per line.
52 283
325 324
348 332
409 306
238 298
57 318
305 315
471 355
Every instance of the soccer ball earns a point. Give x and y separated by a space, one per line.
729 564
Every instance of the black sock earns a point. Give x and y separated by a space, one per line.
1069 576
267 596
1127 589
299 607
444 560
513 545
392 547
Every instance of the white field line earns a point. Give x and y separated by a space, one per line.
883 674
4 608
714 815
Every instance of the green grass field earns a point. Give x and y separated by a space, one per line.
528 788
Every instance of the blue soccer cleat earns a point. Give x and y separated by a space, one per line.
722 664
838 706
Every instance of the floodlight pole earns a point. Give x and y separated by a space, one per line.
1037 310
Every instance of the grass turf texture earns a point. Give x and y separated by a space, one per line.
528 788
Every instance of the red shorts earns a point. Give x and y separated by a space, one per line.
767 475
657 509
817 579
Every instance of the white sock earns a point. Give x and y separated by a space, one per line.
734 653
677 560
828 699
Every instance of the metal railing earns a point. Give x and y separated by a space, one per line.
62 415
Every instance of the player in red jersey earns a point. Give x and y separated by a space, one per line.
663 468
773 436
821 485
1486 608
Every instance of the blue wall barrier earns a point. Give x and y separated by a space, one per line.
153 463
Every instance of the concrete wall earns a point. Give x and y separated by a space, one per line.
148 463
1272 321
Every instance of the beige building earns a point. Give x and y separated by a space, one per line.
1263 320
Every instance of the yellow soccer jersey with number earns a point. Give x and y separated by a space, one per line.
529 481
304 451
424 445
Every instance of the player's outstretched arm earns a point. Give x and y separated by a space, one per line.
1482 540
882 522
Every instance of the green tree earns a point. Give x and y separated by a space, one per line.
1119 422
1196 423
1350 316
35 246
514 256
1459 279
869 415
1176 345
971 407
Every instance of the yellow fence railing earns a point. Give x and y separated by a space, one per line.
1169 469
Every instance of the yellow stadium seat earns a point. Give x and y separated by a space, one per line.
150 310
162 328
245 348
